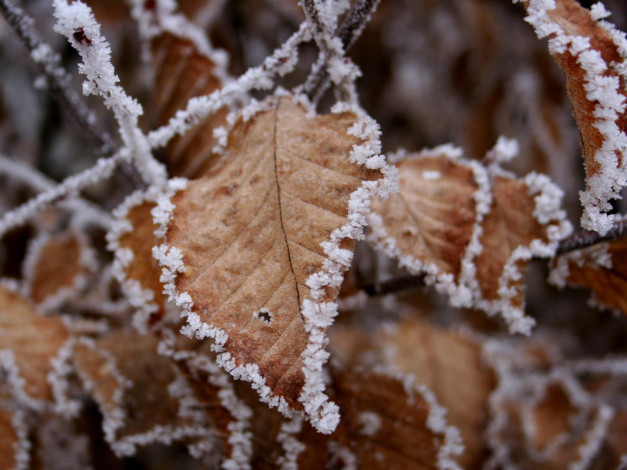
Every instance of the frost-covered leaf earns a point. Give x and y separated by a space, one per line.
29 343
131 239
393 423
602 268
57 266
471 229
593 55
141 396
183 72
14 444
254 253
451 366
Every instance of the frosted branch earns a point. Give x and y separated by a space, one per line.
77 23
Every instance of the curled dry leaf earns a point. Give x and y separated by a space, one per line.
14 445
393 424
254 253
602 268
593 56
471 229
181 73
140 393
451 366
56 267
28 345
131 239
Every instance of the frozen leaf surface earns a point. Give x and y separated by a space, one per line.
392 423
450 365
137 390
255 251
471 229
593 55
602 268
182 73
28 344
57 266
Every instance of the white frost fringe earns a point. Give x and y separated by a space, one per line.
602 89
465 291
318 315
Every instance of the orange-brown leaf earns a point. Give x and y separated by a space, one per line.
182 72
602 268
32 340
258 247
589 52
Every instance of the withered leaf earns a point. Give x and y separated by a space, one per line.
182 72
591 54
56 267
602 268
29 342
137 391
450 365
256 249
13 443
131 239
471 229
391 424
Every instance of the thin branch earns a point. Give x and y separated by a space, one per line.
576 241
58 79
588 238
348 32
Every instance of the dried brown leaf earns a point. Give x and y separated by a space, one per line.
13 443
29 342
471 229
602 268
56 266
451 366
182 72
592 55
137 391
391 424
257 249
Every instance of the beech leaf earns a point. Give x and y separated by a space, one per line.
138 391
29 343
56 267
254 252
182 72
442 360
593 55
602 268
470 229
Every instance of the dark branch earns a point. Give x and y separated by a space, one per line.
348 32
576 241
59 84
586 238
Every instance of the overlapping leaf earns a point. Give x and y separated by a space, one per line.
592 55
29 343
470 229
182 72
451 366
256 250
137 392
602 268
57 266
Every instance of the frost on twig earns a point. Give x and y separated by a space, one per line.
593 56
77 23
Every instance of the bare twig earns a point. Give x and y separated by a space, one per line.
576 241
58 79
588 238
348 32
